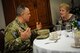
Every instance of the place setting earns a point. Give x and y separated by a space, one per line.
53 38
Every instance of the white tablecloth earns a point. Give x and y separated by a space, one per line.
62 46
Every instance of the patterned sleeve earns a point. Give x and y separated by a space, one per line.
12 41
59 21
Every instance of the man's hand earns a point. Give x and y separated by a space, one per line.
38 25
25 34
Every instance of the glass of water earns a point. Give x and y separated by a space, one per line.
58 29
68 27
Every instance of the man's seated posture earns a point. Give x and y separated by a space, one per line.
18 34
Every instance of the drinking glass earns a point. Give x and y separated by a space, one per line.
77 37
58 29
68 27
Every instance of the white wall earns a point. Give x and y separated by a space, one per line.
54 4
2 20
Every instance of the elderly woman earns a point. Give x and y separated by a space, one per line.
66 16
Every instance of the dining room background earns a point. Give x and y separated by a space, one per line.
53 8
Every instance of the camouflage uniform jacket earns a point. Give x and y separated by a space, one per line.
13 41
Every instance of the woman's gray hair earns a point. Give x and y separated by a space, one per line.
20 9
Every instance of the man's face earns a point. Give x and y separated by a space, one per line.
26 15
63 12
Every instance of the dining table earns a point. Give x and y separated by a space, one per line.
63 44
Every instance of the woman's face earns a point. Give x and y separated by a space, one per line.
63 12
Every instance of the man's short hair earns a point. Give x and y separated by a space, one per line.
20 9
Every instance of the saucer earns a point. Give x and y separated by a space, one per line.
74 46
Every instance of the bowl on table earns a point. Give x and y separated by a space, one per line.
44 33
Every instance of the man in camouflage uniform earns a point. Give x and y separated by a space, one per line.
18 34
